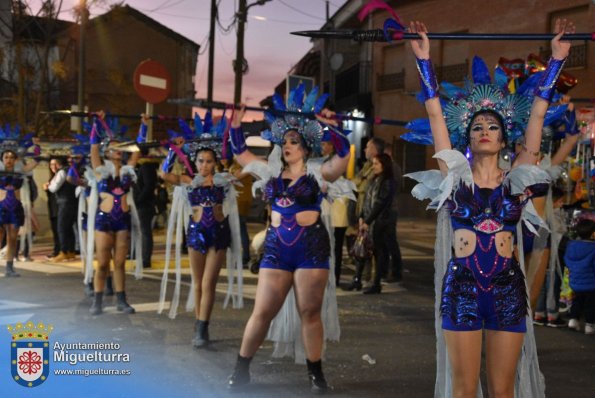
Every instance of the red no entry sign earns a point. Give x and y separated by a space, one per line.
152 81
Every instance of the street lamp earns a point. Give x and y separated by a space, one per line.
239 65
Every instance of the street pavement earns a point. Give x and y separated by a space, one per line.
387 346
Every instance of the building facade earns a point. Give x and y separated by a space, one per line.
115 43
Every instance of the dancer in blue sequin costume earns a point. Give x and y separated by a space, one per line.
12 178
297 247
112 220
483 287
204 203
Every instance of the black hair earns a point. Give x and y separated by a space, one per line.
203 149
557 193
9 150
387 165
491 113
585 228
303 142
379 143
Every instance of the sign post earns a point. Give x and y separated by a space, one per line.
152 83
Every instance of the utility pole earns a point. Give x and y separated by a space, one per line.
238 67
81 76
239 62
211 50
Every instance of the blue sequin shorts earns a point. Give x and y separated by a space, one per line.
500 304
12 212
298 247
108 222
200 237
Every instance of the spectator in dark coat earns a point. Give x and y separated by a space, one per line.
144 198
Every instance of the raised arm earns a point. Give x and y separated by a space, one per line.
95 141
335 166
140 139
429 88
238 140
32 162
544 92
168 164
572 134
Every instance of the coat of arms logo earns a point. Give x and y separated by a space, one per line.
29 353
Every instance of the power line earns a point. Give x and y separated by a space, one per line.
331 3
165 5
267 19
176 16
300 11
224 30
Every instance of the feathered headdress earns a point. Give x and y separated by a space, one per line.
461 104
11 140
204 134
310 129
83 145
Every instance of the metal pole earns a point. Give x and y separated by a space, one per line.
149 111
81 75
211 50
239 63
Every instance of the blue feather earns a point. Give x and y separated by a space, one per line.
186 130
501 79
416 138
320 102
529 85
278 103
221 126
81 137
451 91
173 134
554 113
480 71
208 122
198 127
310 100
269 117
298 95
422 124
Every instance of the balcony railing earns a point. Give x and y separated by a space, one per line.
452 73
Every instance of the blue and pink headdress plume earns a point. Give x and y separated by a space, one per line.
204 134
105 130
281 121
11 140
82 146
393 27
79 150
479 94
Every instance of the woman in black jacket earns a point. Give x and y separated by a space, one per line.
377 216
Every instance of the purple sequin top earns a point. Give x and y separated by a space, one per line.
488 212
11 182
303 195
116 186
206 196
